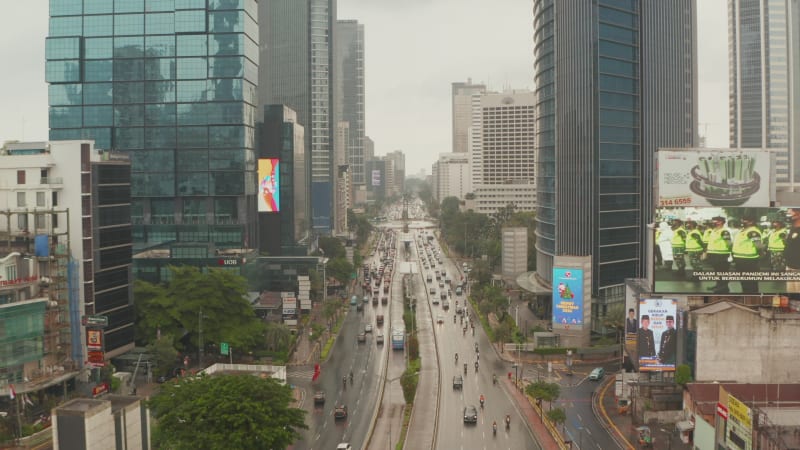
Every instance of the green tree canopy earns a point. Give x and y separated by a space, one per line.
226 411
542 390
332 247
175 309
557 415
339 269
165 354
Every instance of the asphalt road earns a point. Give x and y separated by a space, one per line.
453 433
366 361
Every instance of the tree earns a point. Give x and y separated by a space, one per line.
683 374
218 296
277 337
330 309
557 416
225 411
165 354
503 332
332 247
340 269
542 390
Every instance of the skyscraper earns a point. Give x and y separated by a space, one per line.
172 85
764 53
296 52
623 85
463 99
349 92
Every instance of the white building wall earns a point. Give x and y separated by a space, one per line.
453 176
514 251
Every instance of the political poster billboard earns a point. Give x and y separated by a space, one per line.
376 177
656 335
568 296
745 251
723 178
269 193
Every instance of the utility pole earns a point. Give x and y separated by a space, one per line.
200 338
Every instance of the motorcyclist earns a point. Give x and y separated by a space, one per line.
456 357
482 400
494 379
508 421
465 368
494 427
476 366
351 377
344 381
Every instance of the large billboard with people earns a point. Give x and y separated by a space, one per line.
722 178
656 335
727 250
568 296
269 193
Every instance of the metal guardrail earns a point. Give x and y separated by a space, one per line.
551 428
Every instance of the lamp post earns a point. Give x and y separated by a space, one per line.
200 337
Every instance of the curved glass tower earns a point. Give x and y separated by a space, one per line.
615 80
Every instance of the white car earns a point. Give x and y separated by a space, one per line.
368 328
344 446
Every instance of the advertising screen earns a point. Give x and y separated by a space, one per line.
656 335
376 177
568 296
713 178
269 193
706 251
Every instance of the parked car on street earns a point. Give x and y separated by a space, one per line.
597 374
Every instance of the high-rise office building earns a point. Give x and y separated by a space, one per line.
398 159
348 73
296 45
503 151
171 84
622 85
463 109
764 53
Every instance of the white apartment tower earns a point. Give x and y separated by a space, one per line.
464 95
451 176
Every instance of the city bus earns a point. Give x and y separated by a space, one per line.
398 337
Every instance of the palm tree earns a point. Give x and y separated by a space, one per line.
277 336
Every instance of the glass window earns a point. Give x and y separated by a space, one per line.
64 94
615 50
160 46
159 91
129 47
225 90
192 91
160 69
100 70
128 92
192 68
99 25
153 184
619 168
98 116
97 93
618 33
100 136
98 7
162 23
225 113
226 67
126 6
227 183
192 137
64 135
619 151
191 21
159 114
193 160
225 208
192 45
66 26
192 114
62 71
622 101
22 222
617 134
618 118
226 21
62 48
65 117
618 185
620 201
128 138
128 24
226 136
160 137
226 159
618 219
98 48
620 84
615 66
128 70
128 115
21 199
190 4
628 5
226 44
618 17
159 5
195 183
153 160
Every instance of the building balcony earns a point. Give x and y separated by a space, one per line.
52 181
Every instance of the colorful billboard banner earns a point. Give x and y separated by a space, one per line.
714 178
740 423
656 335
746 251
269 183
94 339
376 177
568 296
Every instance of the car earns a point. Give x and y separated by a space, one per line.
439 318
445 305
597 374
354 300
470 414
319 397
340 412
458 290
379 319
379 339
344 446
384 300
362 337
458 382
368 328
360 307
432 290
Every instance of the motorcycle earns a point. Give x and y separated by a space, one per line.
494 380
344 382
454 319
476 366
456 358
351 377
508 422
494 428
465 368
482 401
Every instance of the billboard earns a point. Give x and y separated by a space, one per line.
269 193
656 335
714 178
568 296
746 251
740 423
376 177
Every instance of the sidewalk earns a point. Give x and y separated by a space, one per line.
541 433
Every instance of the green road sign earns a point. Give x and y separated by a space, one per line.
224 348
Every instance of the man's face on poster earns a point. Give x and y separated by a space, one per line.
645 323
670 324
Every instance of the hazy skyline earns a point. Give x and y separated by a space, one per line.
414 50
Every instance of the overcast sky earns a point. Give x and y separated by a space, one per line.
414 50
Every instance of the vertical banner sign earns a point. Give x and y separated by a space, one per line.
376 178
94 346
656 336
740 425
568 296
269 193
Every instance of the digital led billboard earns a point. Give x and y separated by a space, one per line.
269 193
568 296
656 335
376 177
707 251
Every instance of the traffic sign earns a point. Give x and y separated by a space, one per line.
95 321
224 348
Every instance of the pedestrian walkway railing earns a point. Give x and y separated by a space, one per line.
551 427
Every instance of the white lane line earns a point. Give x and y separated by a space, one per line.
317 438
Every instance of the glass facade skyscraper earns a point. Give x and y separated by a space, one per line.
173 84
623 85
763 45
349 92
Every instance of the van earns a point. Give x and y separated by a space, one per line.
597 374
